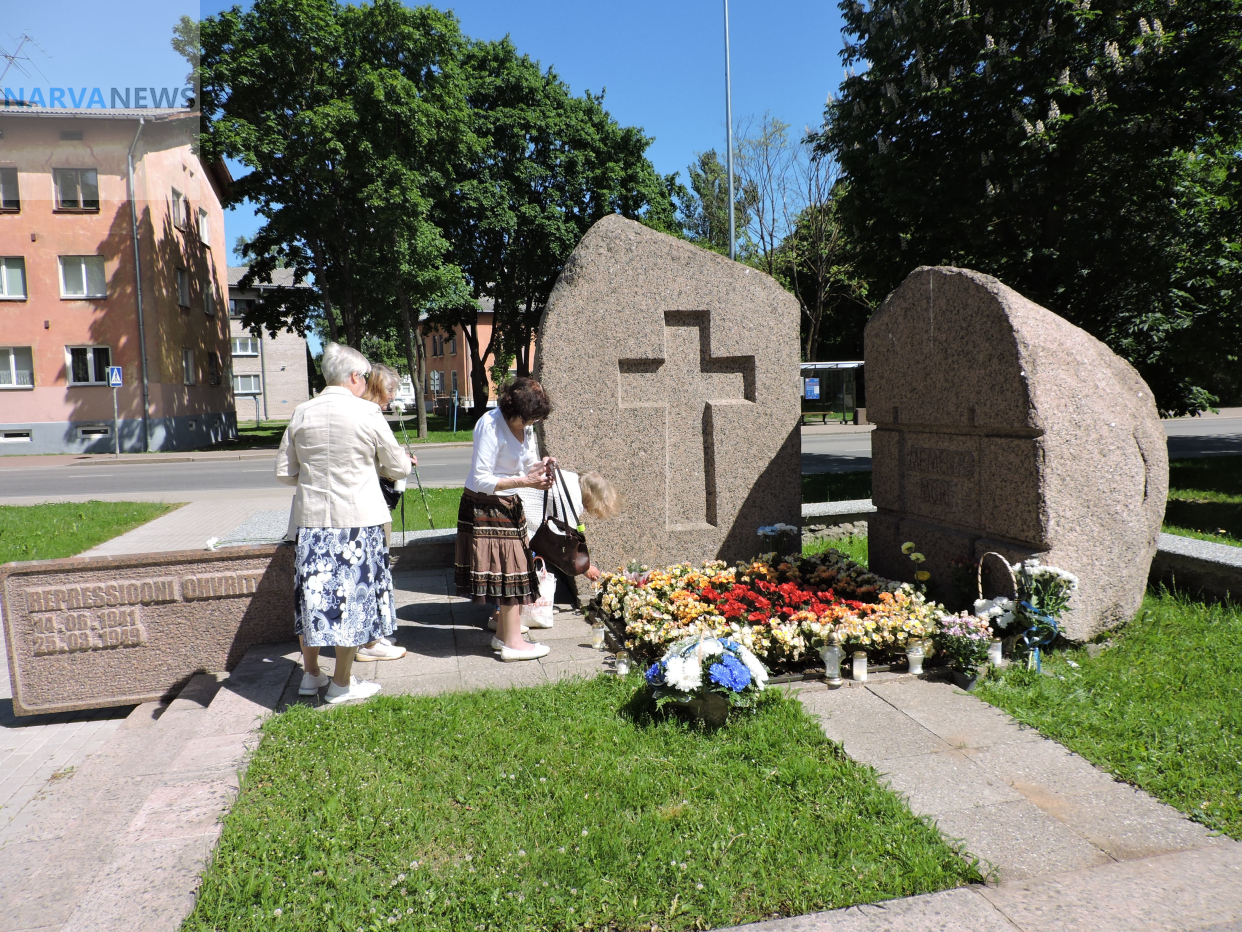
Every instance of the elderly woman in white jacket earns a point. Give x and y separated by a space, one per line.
334 450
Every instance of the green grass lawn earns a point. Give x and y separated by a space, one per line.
251 436
64 529
1205 499
836 486
443 504
853 547
1161 709
551 808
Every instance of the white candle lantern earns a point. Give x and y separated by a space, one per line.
994 653
623 663
914 657
831 656
860 666
597 636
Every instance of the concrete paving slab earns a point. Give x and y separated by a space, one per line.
869 728
1128 824
1190 890
39 889
1036 767
961 910
215 752
148 886
944 782
431 684
1019 840
500 675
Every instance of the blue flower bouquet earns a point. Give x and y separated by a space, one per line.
707 677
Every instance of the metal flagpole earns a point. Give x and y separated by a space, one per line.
729 134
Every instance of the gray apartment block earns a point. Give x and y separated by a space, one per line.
269 373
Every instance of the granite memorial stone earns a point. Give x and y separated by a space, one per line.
674 372
90 632
1002 427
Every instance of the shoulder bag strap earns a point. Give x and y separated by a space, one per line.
569 502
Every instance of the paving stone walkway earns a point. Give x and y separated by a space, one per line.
190 526
121 842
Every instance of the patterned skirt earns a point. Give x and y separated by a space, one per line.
342 591
493 563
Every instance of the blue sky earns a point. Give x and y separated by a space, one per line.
661 63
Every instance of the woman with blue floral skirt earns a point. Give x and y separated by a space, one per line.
334 450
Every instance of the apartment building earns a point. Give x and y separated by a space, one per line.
269 373
448 365
112 253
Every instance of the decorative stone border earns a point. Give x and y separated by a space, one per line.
1198 567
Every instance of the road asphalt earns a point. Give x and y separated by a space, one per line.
823 450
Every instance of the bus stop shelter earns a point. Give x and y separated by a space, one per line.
832 391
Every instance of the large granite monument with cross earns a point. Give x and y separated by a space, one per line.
673 372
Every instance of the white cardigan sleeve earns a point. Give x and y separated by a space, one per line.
483 458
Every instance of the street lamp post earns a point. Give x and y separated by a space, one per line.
729 134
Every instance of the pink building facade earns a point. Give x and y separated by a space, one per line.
112 253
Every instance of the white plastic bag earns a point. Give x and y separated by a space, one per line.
539 615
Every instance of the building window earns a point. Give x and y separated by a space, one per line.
13 278
187 367
76 189
9 198
437 380
246 385
204 228
183 288
245 346
454 380
209 300
88 365
239 306
16 367
82 277
213 368
437 345
452 344
180 209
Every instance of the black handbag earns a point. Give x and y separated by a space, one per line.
561 544
389 490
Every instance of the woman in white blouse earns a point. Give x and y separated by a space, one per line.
493 563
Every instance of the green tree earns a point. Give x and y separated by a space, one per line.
704 210
1085 152
543 166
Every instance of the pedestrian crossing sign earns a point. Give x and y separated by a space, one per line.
114 376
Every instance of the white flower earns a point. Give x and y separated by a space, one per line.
752 664
213 543
684 673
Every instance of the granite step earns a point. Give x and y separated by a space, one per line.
122 841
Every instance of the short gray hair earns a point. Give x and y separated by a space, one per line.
340 362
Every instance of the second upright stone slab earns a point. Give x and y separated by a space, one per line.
674 372
1003 427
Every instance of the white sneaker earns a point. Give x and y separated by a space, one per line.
357 689
312 684
491 625
508 654
380 651
388 640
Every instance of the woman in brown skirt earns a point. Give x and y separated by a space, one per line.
493 563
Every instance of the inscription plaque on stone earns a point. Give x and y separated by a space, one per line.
92 632
674 372
1002 427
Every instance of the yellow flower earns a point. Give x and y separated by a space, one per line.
908 547
922 575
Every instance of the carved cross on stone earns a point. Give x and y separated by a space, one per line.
685 388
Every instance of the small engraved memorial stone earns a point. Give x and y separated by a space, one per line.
1002 427
88 633
674 372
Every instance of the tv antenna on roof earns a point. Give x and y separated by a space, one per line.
15 58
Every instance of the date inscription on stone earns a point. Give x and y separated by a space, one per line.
106 616
72 632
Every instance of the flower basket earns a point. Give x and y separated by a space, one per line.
705 678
